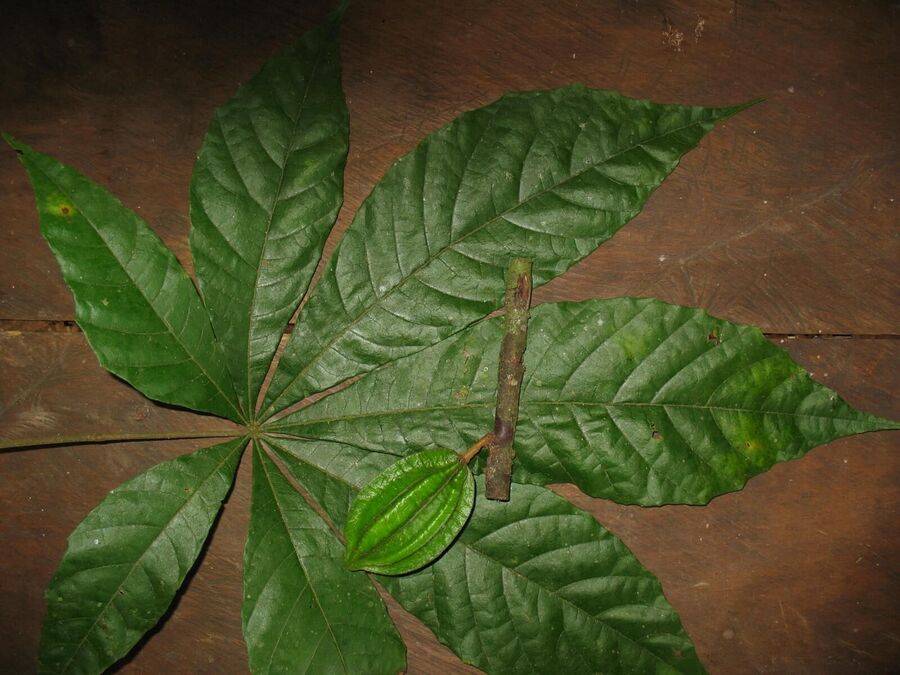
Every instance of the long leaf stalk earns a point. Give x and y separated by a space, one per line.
83 439
498 473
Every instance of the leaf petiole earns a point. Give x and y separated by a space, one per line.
479 445
83 439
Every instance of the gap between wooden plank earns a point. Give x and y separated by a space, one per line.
69 326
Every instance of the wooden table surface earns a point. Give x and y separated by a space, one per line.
784 217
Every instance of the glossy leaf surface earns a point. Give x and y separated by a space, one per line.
137 307
266 190
410 513
304 612
542 175
630 399
536 584
325 468
331 473
530 584
127 559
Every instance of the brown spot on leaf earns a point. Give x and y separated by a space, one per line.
461 394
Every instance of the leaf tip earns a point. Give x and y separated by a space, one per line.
883 423
338 14
730 111
13 143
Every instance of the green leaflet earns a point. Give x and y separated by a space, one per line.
410 513
633 400
136 305
266 190
303 611
127 559
530 585
535 584
543 175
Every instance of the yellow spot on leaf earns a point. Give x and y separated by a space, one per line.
61 207
755 449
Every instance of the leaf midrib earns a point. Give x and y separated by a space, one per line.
562 600
501 565
140 290
379 300
251 404
264 464
545 403
194 495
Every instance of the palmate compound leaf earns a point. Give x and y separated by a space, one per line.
137 306
266 190
531 586
410 513
634 400
304 612
127 559
543 175
547 175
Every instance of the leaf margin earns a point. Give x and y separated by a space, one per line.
457 408
264 466
273 401
38 163
328 48
232 452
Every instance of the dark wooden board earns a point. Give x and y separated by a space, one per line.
52 384
783 218
795 574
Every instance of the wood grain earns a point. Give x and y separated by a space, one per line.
785 217
794 574
782 218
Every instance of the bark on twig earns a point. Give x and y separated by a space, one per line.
509 379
